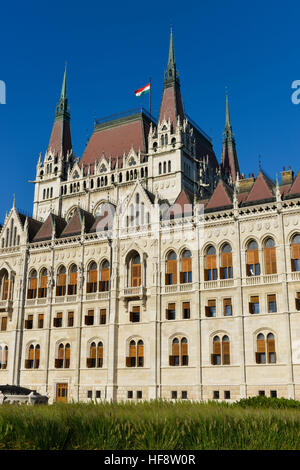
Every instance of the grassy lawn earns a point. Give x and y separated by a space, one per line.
258 423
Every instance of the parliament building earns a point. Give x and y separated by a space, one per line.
150 269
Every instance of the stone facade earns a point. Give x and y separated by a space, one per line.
157 297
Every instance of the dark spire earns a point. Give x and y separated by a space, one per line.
229 163
62 107
60 140
171 74
171 103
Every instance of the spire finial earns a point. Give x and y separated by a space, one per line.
63 94
171 60
14 201
227 119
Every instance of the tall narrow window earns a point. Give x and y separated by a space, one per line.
171 312
136 354
33 358
135 314
43 283
270 256
186 310
104 276
92 278
96 355
253 266
4 285
102 316
171 268
272 305
32 285
186 267
226 262
72 287
61 281
135 270
179 350
297 301
221 351
210 271
89 318
227 307
63 359
265 349
3 357
296 253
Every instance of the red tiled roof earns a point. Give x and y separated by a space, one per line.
116 138
60 140
171 105
221 197
262 189
295 189
45 232
74 226
183 204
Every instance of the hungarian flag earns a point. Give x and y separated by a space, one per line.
143 90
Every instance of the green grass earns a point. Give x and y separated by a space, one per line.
255 423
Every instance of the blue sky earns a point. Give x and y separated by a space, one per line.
112 48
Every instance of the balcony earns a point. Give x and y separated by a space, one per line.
172 288
219 283
134 292
6 306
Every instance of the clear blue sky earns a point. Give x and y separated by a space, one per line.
112 48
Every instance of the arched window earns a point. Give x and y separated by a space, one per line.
33 358
270 256
210 271
165 167
134 270
226 262
186 267
136 354
104 276
221 351
295 260
179 352
43 283
92 278
6 293
61 281
96 355
171 269
72 287
253 266
265 349
32 285
159 168
3 357
63 359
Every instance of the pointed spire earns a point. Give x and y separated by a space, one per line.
171 50
229 163
60 140
171 103
63 94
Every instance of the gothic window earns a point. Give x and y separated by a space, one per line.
72 287
159 168
210 271
253 266
295 248
169 166
32 285
43 283
104 276
265 349
120 177
136 354
134 270
179 352
92 278
6 290
61 281
221 351
3 356
95 358
186 267
63 356
162 140
165 167
171 268
270 256
33 357
226 262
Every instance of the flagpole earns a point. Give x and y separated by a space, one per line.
150 99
